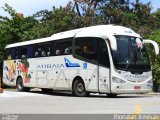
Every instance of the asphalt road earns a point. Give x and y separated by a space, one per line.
36 102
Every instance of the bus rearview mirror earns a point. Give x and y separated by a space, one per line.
155 45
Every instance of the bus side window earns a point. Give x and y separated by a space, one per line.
18 53
24 52
36 52
43 49
57 52
49 53
43 53
103 56
6 53
68 51
30 51
86 48
10 54
63 47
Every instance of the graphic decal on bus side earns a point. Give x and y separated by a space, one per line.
23 66
70 64
85 65
10 69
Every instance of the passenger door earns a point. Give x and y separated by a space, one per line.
86 51
104 67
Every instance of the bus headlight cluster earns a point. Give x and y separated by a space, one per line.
118 80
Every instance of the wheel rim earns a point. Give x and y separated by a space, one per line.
80 88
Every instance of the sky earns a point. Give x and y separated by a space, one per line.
29 7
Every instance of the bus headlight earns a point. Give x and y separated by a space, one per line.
150 82
118 80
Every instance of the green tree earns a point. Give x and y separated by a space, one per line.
14 28
87 12
15 25
156 15
50 22
155 60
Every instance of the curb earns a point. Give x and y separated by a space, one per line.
1 90
154 93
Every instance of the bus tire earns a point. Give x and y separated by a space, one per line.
20 86
111 95
45 90
79 88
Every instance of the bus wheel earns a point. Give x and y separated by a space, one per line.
111 95
45 90
79 88
20 85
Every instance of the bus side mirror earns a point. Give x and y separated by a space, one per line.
155 45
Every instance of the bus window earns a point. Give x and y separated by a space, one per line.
58 52
86 48
103 56
68 51
18 53
43 49
30 51
63 47
24 52
36 52
10 53
6 54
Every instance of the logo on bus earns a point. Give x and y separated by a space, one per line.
50 66
135 76
70 64
85 65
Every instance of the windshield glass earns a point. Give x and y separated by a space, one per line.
131 54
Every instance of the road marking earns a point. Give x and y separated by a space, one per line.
137 109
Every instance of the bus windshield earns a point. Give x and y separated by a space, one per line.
131 54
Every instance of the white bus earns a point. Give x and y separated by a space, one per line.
106 59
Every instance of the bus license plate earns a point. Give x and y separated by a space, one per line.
137 87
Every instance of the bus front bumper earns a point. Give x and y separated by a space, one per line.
131 88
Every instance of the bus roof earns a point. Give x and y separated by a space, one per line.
101 31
